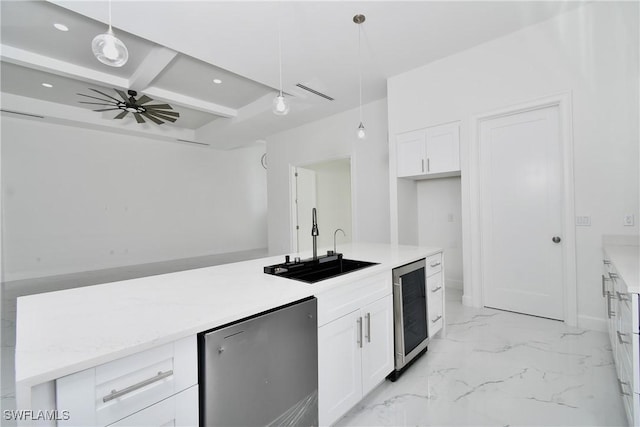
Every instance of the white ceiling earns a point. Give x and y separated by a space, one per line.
176 49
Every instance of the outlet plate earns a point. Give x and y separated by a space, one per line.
628 220
584 221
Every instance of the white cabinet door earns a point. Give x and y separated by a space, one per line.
411 153
339 367
377 349
443 148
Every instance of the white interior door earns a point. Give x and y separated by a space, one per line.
521 208
305 200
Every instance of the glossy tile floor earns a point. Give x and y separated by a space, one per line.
499 368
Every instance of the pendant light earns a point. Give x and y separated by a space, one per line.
108 48
359 19
280 104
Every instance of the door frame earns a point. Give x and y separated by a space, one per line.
563 102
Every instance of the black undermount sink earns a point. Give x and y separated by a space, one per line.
313 270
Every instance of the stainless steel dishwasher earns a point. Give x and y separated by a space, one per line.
262 370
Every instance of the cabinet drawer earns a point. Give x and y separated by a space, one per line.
110 392
434 264
178 410
434 283
434 306
351 296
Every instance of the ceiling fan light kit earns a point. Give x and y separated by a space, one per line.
157 113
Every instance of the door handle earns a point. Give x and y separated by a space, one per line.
359 331
368 327
556 239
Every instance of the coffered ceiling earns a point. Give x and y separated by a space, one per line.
177 49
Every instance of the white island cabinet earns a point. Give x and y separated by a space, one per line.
125 353
620 288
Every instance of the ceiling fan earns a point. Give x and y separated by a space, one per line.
139 108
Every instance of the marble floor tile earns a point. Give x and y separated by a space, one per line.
500 368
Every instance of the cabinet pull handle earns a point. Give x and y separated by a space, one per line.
434 264
606 262
613 275
422 167
609 312
620 334
368 327
434 290
360 331
428 168
621 389
604 292
119 393
622 297
436 319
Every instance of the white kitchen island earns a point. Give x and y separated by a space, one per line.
68 332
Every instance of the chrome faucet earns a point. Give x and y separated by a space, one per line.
314 232
334 238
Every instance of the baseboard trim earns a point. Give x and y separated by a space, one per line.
592 323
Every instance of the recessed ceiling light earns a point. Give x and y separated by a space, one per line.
47 85
217 81
61 27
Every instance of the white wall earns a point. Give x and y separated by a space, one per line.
78 199
328 139
591 52
440 223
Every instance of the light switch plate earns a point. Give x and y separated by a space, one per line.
584 221
628 220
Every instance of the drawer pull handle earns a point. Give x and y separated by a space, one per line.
434 264
604 291
610 312
119 393
613 275
436 319
606 262
620 383
622 297
434 290
620 334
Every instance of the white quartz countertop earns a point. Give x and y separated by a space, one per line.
59 333
626 259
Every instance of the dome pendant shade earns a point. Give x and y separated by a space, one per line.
109 49
280 105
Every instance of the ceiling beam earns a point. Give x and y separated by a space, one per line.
151 67
44 63
190 102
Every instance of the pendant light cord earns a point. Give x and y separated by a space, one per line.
280 47
360 69
109 14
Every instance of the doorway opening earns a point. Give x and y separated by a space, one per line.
325 186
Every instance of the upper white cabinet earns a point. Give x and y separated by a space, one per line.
429 153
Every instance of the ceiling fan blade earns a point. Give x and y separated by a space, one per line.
138 117
122 95
162 106
107 109
161 116
93 103
166 113
121 115
153 119
144 99
95 97
102 93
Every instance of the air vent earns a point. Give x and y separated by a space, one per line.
315 92
22 114
192 142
